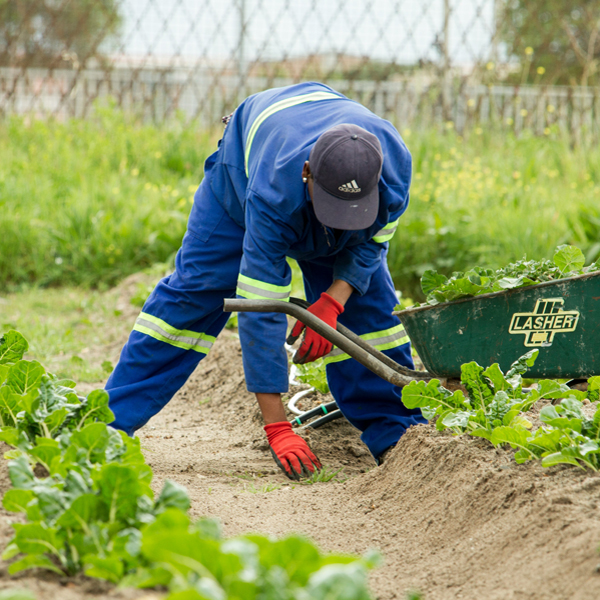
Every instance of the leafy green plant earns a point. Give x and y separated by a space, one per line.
93 509
314 374
568 261
493 409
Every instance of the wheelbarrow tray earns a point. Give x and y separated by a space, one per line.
561 318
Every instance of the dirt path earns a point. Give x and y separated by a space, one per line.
454 517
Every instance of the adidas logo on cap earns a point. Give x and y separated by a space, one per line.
351 187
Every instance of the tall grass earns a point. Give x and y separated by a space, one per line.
492 199
88 202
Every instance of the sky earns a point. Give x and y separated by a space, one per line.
403 31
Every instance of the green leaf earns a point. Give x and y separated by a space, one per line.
568 258
522 364
110 568
339 581
9 435
119 488
85 509
16 500
516 437
13 346
94 439
44 454
421 394
594 388
96 408
431 280
148 577
456 419
10 551
314 374
10 406
34 561
25 375
551 416
55 419
173 495
37 538
495 375
480 392
570 455
20 473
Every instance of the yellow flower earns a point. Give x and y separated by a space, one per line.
135 172
523 112
489 66
471 102
509 121
157 154
449 125
550 108
478 131
546 130
529 51
541 70
516 175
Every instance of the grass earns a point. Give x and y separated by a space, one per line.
74 332
492 198
89 202
325 475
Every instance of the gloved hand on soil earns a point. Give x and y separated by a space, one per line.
313 345
290 451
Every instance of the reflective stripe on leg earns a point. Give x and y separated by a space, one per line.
181 338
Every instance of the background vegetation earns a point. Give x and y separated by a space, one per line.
88 202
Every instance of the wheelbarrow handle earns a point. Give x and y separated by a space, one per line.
351 348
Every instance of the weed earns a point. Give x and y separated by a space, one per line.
264 489
324 475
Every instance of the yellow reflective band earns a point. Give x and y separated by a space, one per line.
387 233
181 338
287 103
254 289
380 340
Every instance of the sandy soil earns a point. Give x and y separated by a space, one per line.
454 517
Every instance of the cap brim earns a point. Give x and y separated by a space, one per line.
345 214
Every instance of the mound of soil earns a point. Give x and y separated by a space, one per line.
453 517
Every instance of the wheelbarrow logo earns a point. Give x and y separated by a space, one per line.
546 320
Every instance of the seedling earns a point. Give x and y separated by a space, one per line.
325 475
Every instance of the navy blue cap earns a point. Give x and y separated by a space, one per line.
346 164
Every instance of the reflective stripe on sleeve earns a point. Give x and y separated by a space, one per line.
254 289
271 110
181 338
381 340
387 233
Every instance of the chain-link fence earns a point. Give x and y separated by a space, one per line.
511 63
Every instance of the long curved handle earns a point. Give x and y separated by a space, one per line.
360 354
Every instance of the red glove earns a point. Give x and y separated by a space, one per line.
290 451
314 346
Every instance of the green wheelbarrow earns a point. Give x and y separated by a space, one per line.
561 318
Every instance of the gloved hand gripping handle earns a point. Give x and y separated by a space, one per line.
368 357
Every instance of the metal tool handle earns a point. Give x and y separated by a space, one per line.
362 355
386 360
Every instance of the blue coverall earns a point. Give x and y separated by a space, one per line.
251 211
